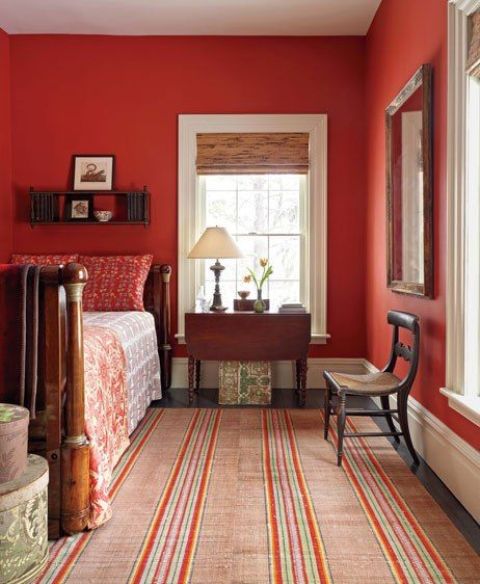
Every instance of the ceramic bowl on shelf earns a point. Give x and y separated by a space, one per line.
244 294
102 216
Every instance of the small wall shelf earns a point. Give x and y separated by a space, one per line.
52 207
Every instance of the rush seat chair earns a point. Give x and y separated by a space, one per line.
381 384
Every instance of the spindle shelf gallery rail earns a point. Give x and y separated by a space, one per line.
53 207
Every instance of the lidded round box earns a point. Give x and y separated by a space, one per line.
24 524
13 441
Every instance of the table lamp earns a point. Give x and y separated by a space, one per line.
216 243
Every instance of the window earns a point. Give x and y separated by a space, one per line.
279 216
266 215
463 270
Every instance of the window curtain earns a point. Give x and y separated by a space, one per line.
473 61
252 153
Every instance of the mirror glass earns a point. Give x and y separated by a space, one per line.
407 162
409 188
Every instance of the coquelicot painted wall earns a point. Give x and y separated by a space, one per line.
403 35
6 224
123 95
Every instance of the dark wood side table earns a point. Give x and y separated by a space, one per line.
246 336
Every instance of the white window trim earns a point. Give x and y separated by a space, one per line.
189 271
458 399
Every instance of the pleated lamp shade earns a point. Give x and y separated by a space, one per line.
215 243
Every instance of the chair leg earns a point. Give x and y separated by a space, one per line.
386 406
403 418
341 418
327 398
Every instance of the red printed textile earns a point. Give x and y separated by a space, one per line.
115 283
44 260
105 414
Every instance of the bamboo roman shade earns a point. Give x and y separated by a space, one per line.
473 61
252 153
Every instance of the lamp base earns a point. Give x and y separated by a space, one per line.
218 308
217 269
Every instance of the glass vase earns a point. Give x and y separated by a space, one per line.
259 305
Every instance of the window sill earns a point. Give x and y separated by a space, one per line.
469 407
317 339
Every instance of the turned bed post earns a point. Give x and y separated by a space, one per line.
75 447
163 299
45 433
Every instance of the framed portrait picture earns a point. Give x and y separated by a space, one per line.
92 172
79 208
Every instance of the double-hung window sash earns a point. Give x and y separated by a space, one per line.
255 184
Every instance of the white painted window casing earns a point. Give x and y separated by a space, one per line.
191 212
463 221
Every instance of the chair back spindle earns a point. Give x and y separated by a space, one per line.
409 353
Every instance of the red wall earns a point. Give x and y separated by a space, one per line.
5 151
405 34
122 95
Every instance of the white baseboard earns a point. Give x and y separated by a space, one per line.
283 374
455 462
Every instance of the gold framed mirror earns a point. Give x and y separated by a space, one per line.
409 187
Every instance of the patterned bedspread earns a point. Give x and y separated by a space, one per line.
136 332
122 377
105 414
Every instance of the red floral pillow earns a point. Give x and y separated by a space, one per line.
115 283
44 260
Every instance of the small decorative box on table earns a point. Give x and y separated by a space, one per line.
245 383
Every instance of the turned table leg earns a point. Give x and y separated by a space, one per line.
191 379
198 372
297 377
302 391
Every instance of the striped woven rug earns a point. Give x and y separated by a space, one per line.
249 496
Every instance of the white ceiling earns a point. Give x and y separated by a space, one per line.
188 17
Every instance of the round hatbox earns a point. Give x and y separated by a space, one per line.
24 524
13 441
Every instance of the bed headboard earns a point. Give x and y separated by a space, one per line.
157 301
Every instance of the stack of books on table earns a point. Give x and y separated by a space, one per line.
292 308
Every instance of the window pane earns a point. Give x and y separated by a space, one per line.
252 182
220 182
284 214
254 247
221 209
285 257
283 291
252 212
269 206
285 182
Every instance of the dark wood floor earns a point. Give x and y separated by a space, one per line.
284 398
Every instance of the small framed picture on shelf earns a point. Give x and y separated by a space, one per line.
93 172
79 208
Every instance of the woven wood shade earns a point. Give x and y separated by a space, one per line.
473 61
252 153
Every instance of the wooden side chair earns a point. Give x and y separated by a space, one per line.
381 384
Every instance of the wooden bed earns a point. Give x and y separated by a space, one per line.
58 432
